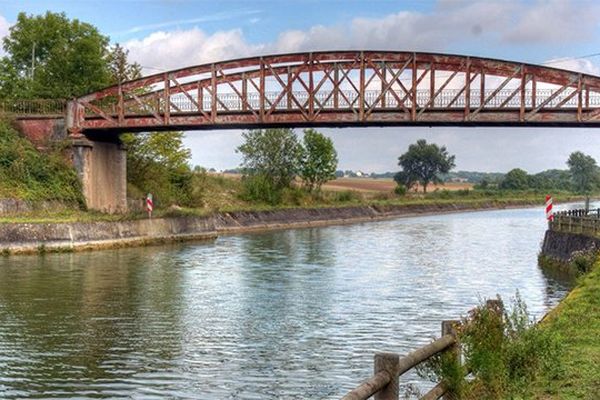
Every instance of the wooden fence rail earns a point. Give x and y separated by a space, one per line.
388 367
580 221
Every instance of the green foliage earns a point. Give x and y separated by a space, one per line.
70 58
273 153
584 172
27 174
258 187
577 320
447 367
515 179
318 160
347 196
157 163
582 261
506 352
120 68
400 190
424 163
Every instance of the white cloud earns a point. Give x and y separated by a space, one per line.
555 21
181 48
583 65
449 24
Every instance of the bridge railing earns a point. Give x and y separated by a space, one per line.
447 99
578 221
33 107
344 99
389 367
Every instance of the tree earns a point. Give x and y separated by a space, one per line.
423 163
515 179
51 56
157 162
405 180
319 160
120 67
272 153
584 172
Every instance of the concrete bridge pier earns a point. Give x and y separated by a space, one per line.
102 169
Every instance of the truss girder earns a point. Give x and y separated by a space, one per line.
344 88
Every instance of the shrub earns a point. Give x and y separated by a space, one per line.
503 350
582 261
400 190
260 188
28 174
347 196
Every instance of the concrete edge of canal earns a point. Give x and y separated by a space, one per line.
28 238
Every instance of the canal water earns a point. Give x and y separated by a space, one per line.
293 314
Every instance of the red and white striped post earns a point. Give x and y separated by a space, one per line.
149 205
549 215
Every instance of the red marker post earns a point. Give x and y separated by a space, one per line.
149 205
549 214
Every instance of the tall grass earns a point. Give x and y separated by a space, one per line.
27 174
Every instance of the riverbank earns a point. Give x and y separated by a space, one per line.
576 320
36 237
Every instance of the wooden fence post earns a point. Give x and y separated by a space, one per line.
450 328
388 362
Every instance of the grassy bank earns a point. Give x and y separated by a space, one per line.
222 201
30 175
577 321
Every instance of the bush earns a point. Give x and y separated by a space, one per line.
400 190
582 261
504 352
260 188
26 173
347 196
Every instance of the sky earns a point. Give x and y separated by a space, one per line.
168 34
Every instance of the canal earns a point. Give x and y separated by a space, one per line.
292 314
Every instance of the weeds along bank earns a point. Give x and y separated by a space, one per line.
507 355
35 177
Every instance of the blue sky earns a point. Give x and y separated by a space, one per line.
165 34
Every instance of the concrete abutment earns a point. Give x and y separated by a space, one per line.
102 170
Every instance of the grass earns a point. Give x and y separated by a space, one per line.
30 175
577 320
222 194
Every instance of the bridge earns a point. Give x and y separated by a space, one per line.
321 89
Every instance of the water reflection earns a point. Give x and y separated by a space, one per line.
286 314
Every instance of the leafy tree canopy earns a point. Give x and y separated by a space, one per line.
584 172
423 163
273 153
319 160
51 56
515 179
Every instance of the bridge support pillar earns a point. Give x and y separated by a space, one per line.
102 170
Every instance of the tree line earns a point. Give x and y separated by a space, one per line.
51 56
425 163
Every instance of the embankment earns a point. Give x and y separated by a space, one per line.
36 237
559 246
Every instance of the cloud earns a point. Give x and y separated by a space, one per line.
555 21
583 65
450 24
169 50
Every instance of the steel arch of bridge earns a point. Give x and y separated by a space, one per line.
343 88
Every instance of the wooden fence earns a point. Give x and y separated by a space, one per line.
580 221
389 367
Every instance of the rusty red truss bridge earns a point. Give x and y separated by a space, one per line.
343 88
